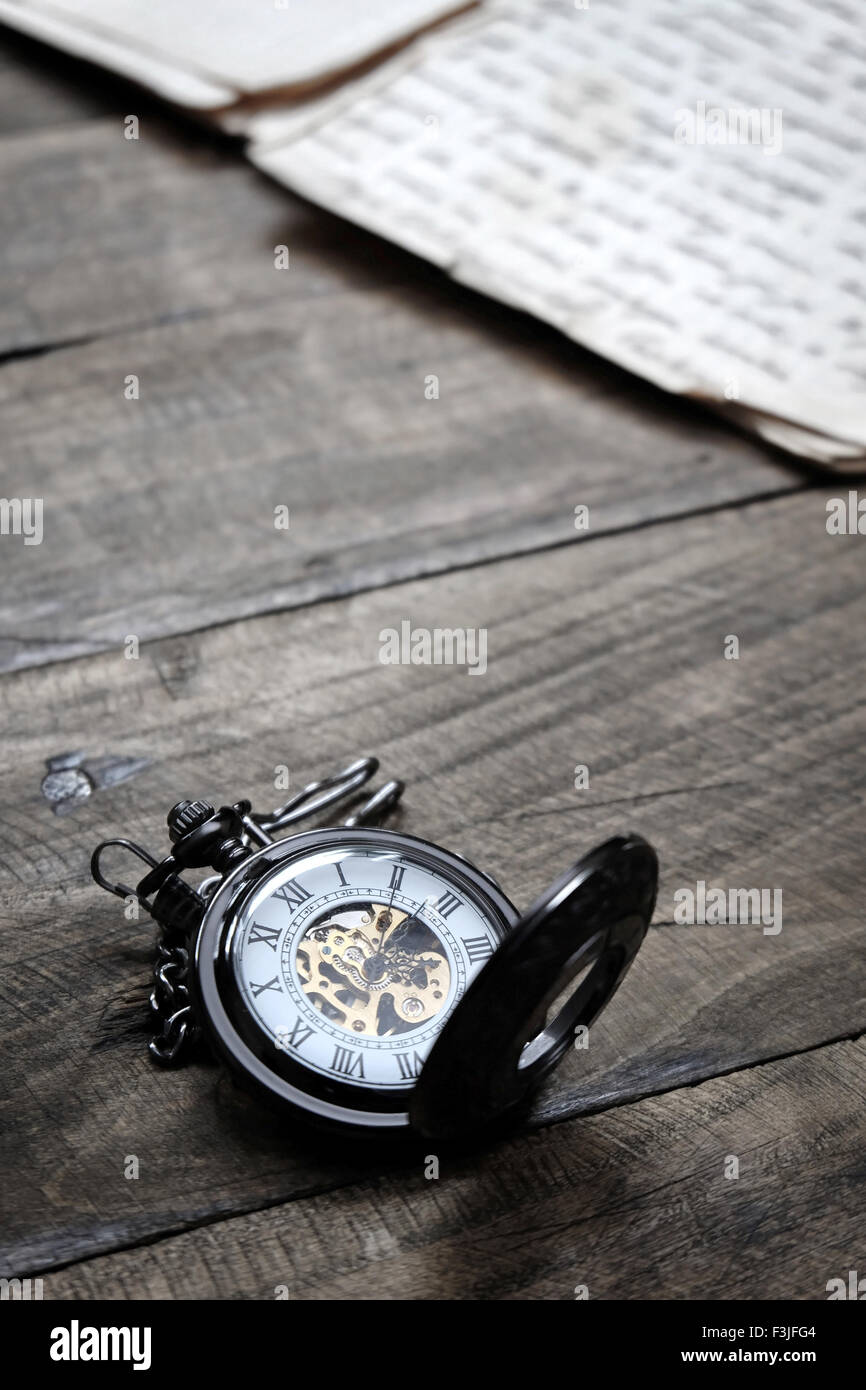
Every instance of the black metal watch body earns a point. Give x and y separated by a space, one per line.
370 980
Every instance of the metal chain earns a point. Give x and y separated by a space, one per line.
169 1000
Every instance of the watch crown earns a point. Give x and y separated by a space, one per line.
186 816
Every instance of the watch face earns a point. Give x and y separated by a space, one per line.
329 963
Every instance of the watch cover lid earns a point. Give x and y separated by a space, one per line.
496 1047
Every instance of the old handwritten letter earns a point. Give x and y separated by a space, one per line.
680 187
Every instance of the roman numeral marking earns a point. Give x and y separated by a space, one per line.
273 984
477 948
298 1036
347 1062
397 873
410 1067
447 904
292 894
270 935
338 866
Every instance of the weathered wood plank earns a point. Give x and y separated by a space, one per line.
746 773
101 233
637 1203
159 512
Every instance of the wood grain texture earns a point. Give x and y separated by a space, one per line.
633 1204
101 233
745 773
159 513
40 87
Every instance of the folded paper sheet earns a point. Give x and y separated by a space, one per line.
681 187
211 53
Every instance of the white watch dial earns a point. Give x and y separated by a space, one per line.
351 959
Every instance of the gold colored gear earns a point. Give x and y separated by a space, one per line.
347 948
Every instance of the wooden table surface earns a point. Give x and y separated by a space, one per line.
259 647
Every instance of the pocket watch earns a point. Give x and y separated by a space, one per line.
368 979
